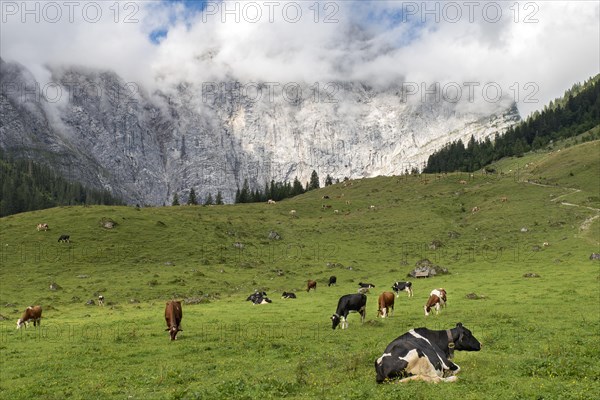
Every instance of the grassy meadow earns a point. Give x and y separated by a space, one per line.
540 335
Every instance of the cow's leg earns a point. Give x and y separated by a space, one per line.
426 311
363 314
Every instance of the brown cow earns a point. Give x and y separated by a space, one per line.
31 313
311 285
173 315
386 301
437 299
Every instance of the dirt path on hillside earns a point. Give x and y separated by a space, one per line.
585 225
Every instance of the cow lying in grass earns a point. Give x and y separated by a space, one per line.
424 354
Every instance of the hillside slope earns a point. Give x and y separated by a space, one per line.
190 253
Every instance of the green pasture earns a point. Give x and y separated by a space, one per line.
540 335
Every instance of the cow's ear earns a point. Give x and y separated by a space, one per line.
459 325
167 329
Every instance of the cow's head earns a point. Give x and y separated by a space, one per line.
335 319
173 331
466 341
20 323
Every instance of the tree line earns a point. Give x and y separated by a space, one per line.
29 186
576 112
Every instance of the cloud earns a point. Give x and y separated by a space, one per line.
532 50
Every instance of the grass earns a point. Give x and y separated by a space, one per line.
540 335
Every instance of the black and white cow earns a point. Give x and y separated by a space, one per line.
64 238
349 303
424 354
366 285
398 287
288 295
254 296
332 280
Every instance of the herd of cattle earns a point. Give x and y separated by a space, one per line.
420 354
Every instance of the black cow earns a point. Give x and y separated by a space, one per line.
366 285
64 238
349 303
424 354
332 280
398 287
288 295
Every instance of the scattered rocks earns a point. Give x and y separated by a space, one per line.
334 265
90 302
3 318
524 229
10 305
435 244
274 235
169 264
425 269
595 256
474 296
453 235
238 245
531 275
55 286
134 301
75 299
83 276
107 223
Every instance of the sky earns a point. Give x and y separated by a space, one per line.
531 51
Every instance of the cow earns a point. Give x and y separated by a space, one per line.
372 207
397 287
474 210
386 302
424 354
349 303
462 182
256 295
64 238
503 199
100 300
42 227
260 298
437 299
173 315
332 280
31 313
336 211
293 213
325 197
366 285
288 295
271 201
311 285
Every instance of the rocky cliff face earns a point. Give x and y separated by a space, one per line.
94 127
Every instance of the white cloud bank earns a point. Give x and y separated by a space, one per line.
532 50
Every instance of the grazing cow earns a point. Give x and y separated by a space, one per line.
271 201
474 210
325 206
64 238
311 285
173 315
288 295
332 280
31 313
437 299
349 303
424 354
100 300
293 213
325 197
42 227
503 199
386 302
398 287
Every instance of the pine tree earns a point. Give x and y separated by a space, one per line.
175 200
219 199
314 181
192 201
328 180
209 200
